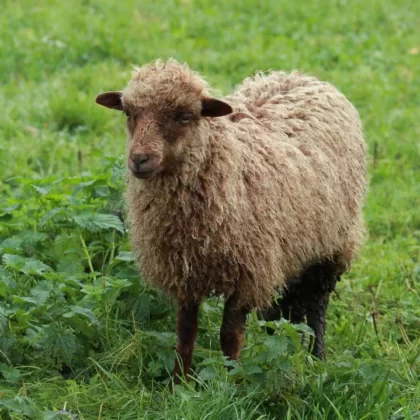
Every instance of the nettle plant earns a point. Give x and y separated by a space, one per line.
71 300
65 268
70 294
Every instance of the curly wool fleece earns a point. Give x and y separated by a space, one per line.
258 195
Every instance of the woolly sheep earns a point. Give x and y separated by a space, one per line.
258 193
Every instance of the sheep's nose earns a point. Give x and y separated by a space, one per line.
144 165
138 161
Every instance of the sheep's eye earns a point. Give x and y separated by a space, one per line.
183 117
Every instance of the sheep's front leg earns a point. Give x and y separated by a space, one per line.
233 327
187 332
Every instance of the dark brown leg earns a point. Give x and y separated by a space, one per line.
316 319
308 296
187 333
321 281
233 327
290 307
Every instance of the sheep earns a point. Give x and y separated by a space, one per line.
242 197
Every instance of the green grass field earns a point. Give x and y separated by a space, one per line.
81 336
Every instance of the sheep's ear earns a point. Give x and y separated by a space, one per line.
211 107
110 100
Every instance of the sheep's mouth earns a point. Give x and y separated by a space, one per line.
144 166
143 175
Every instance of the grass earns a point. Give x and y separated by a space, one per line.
81 335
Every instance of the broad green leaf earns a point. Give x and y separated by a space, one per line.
11 244
42 189
59 344
13 261
251 369
58 213
32 237
41 292
22 406
34 266
3 319
10 209
141 307
276 346
207 373
7 283
83 185
70 267
126 256
10 373
95 222
85 312
285 364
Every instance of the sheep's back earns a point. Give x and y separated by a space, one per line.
304 168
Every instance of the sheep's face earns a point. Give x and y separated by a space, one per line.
161 130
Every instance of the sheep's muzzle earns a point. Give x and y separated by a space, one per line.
144 166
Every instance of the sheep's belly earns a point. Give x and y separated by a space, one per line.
190 277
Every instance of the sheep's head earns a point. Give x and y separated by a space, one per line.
165 104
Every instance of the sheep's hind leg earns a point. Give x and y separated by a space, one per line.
187 332
290 306
320 280
233 327
307 296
